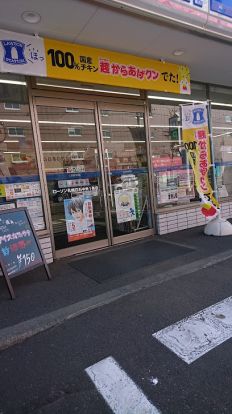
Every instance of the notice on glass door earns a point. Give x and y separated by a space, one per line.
125 205
79 217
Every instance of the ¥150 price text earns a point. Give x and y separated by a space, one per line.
25 259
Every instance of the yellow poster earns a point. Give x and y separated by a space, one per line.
195 135
2 190
87 64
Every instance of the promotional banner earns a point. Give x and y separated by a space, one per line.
31 55
195 135
79 217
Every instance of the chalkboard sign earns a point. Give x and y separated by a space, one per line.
20 250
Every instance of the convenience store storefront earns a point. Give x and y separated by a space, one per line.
95 165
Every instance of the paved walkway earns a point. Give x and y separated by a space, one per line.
42 304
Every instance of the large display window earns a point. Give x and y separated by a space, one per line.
222 138
173 176
19 177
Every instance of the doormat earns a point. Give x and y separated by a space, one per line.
104 266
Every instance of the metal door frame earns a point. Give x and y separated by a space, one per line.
62 103
96 105
127 108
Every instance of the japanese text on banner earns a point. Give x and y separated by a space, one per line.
195 134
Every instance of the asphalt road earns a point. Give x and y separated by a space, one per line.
46 374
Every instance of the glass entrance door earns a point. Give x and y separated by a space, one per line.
69 144
126 170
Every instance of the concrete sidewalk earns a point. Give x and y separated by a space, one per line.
42 304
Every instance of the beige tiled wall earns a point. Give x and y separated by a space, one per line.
185 219
46 247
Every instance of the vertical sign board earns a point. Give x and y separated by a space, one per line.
196 139
20 250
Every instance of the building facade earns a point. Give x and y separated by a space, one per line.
103 163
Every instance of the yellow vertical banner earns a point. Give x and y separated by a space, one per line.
196 139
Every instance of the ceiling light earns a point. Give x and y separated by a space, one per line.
31 17
178 52
87 89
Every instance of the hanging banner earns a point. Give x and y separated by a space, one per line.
79 217
31 55
195 135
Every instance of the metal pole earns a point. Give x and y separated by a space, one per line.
215 187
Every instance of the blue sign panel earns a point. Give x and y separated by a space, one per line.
19 251
198 3
223 7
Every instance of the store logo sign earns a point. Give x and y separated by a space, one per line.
198 116
14 52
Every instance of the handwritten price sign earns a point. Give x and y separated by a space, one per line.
19 247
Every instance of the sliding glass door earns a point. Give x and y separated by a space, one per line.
69 143
126 170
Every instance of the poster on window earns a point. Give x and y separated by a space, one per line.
79 217
125 205
35 209
167 184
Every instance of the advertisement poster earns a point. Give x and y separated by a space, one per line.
125 205
36 56
186 190
34 206
20 190
79 217
195 134
167 187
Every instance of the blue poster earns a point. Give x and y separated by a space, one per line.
223 7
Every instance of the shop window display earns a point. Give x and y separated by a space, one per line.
222 144
19 177
173 176
221 117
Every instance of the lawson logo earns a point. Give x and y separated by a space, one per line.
198 116
14 52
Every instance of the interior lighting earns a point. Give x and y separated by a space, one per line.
87 89
173 140
165 98
11 152
72 142
31 17
165 126
13 82
221 104
16 120
66 123
227 128
178 52
123 125
65 151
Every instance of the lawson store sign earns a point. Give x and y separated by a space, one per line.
29 55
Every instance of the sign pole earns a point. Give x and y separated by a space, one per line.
215 187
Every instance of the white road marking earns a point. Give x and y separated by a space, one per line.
118 390
196 335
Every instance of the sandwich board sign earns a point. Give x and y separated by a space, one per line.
20 250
